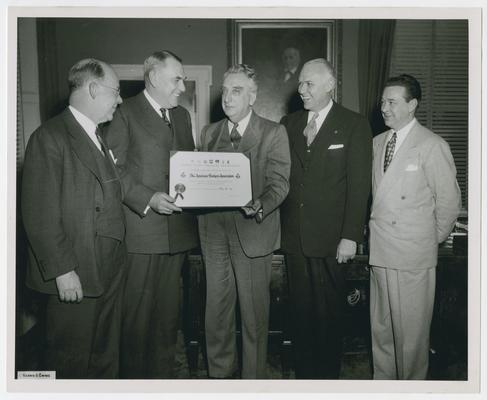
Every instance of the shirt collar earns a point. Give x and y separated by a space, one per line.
403 132
242 124
155 105
321 114
86 123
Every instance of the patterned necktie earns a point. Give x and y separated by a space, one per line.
235 137
165 118
390 151
310 131
100 140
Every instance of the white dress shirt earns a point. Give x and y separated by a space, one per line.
242 124
401 135
155 105
88 126
321 115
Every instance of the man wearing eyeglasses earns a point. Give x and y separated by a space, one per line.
72 213
159 234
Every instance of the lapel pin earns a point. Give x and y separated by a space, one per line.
335 132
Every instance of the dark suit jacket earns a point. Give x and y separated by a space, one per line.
328 196
265 143
60 176
141 142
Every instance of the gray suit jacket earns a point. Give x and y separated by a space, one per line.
59 180
266 144
415 203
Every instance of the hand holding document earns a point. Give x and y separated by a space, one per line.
209 179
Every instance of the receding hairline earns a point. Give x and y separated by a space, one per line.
322 62
252 84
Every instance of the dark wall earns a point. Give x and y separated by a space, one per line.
130 41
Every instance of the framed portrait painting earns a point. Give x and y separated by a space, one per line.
277 49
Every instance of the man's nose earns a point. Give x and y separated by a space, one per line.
182 86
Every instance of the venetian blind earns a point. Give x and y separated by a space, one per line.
436 53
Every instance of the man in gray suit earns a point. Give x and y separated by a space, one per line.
416 201
237 244
72 213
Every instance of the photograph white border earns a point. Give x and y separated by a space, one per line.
475 45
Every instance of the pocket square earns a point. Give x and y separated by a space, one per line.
113 157
412 167
335 146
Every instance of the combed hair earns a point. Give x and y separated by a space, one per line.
157 58
408 82
326 64
83 71
245 69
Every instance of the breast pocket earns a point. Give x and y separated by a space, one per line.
413 180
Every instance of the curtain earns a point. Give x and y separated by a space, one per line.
50 101
374 54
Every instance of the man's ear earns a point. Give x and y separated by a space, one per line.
412 105
153 77
93 89
330 84
253 97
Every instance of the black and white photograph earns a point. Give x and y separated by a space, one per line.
351 269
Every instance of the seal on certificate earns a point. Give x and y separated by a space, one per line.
179 188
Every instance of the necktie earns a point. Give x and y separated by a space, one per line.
100 140
390 151
235 137
310 131
164 117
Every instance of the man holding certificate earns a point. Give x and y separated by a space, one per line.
237 243
159 234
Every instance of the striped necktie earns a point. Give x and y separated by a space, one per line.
100 140
164 117
235 137
310 131
391 145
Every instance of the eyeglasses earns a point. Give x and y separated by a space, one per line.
116 90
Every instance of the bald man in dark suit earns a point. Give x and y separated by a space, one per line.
323 217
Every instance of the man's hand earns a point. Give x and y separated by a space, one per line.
162 203
346 250
252 208
69 287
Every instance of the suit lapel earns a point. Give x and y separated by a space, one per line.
80 143
252 134
398 164
214 134
329 132
296 137
152 122
181 140
378 167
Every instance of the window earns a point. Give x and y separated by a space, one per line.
436 53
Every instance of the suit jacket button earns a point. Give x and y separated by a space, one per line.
301 205
393 222
403 197
97 209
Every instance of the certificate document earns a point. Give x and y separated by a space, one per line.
209 179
